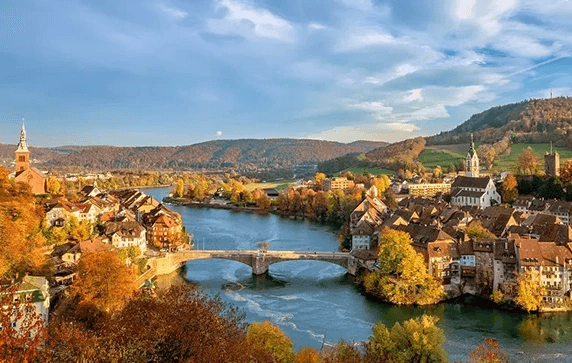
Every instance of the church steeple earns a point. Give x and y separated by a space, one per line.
472 162
22 153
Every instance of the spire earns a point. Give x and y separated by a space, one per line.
22 146
551 148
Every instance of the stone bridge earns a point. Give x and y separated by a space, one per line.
259 260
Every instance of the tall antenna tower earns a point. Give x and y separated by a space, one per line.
550 92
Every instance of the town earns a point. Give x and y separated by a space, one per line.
470 241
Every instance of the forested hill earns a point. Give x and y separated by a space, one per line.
531 121
244 154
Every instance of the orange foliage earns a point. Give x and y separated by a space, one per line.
103 281
20 227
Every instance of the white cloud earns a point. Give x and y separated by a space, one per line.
244 19
316 26
219 133
173 12
399 71
363 38
376 107
401 126
413 95
362 5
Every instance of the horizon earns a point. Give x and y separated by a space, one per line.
178 73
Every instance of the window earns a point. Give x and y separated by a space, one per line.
21 158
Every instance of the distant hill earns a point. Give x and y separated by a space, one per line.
526 122
244 154
531 121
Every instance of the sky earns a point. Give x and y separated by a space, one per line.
176 72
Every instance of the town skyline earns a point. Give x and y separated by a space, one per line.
179 73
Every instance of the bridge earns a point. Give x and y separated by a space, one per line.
258 260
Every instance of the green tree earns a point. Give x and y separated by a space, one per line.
268 343
509 189
552 189
530 291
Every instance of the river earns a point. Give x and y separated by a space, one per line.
315 303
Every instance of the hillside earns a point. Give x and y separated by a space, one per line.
532 121
396 156
527 122
245 154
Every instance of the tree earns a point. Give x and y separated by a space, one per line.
415 340
179 324
268 343
20 228
179 191
509 189
530 291
552 189
103 281
566 172
488 352
21 344
488 154
403 276
477 232
319 180
54 185
308 355
528 163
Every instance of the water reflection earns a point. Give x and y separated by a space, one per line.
547 328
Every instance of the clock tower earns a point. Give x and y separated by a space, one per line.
22 153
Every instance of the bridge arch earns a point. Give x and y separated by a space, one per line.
258 260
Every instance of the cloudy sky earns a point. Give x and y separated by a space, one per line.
177 72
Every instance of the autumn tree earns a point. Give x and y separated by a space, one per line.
179 324
103 281
488 352
509 189
179 191
381 182
530 291
487 153
414 340
268 343
528 162
20 228
20 343
477 232
319 180
402 277
54 185
308 355
566 172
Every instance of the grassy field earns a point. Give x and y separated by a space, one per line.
278 185
508 162
372 171
431 157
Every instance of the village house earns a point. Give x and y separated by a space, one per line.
337 183
429 189
125 234
363 220
74 254
36 290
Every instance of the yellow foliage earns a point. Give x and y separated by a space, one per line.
530 291
268 343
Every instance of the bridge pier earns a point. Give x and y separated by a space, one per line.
259 265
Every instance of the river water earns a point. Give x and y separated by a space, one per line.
315 303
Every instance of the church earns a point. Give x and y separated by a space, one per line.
472 189
24 173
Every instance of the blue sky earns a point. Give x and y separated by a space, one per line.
177 72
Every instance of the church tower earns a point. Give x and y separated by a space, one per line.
22 153
472 162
